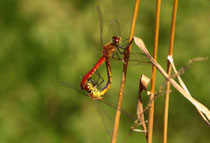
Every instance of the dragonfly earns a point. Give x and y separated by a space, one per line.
112 50
87 83
115 47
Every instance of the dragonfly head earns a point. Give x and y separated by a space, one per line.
116 40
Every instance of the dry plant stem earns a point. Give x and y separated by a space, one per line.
143 84
205 113
160 92
126 58
185 88
151 110
166 108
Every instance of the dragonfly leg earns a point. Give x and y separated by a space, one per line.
118 50
125 46
118 57
99 77
125 40
95 83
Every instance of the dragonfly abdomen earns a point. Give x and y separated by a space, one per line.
91 72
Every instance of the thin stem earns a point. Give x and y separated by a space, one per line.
126 58
151 110
166 108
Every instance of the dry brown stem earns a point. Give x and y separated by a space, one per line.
126 58
166 107
205 113
156 36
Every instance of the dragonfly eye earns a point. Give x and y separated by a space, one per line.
116 39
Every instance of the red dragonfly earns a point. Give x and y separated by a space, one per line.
114 50
108 51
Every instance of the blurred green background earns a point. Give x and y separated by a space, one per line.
45 42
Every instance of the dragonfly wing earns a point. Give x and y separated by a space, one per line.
134 60
106 119
101 25
114 30
138 59
106 109
72 86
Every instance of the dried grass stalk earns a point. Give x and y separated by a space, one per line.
126 58
205 113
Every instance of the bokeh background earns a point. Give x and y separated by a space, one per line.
45 42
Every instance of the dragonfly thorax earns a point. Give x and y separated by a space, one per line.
111 47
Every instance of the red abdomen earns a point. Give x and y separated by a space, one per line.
91 72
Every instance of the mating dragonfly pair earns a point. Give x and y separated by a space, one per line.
108 51
114 49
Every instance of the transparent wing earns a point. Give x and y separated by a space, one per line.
73 86
101 25
107 102
134 60
106 109
106 119
114 30
138 59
